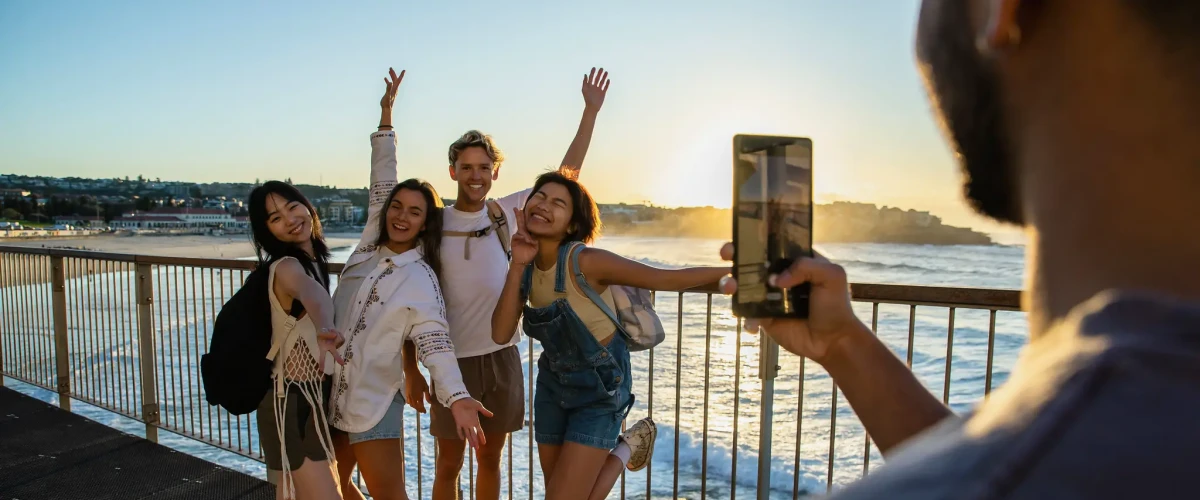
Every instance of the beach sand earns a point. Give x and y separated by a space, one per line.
229 247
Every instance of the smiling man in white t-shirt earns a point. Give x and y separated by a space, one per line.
474 266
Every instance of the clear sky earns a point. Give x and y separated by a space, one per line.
234 91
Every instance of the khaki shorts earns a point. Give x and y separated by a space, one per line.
495 380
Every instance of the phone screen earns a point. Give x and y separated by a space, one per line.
772 221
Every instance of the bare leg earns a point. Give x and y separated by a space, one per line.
487 481
634 449
548 456
609 474
345 463
576 472
449 464
315 480
381 462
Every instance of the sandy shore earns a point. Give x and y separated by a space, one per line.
229 247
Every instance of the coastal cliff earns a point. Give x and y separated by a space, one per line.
839 222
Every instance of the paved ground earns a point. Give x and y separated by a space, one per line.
49 453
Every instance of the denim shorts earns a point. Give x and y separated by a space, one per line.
391 426
597 423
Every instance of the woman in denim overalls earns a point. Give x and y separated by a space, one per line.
584 384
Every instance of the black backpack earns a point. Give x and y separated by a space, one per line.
236 372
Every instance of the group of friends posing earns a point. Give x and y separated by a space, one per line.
437 284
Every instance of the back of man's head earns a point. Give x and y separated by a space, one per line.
988 62
1076 119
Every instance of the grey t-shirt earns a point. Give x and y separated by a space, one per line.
1105 405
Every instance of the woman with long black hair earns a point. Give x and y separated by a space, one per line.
291 419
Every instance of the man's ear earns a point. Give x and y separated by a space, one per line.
453 173
1001 29
496 173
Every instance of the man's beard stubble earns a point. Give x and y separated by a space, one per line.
966 92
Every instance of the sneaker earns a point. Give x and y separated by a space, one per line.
640 438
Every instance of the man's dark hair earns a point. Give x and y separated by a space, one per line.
1178 21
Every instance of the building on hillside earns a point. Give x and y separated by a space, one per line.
180 190
339 211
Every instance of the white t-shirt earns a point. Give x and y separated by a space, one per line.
472 287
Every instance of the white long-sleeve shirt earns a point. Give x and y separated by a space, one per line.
384 299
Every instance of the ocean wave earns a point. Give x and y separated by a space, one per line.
720 463
880 266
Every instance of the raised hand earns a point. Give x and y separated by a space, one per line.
392 85
466 413
524 247
830 316
595 86
329 340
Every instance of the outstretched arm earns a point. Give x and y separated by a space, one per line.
605 268
436 352
292 282
595 86
889 400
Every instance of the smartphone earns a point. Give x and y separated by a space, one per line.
772 222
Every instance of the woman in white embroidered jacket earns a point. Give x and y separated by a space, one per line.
389 294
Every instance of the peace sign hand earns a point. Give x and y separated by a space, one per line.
524 247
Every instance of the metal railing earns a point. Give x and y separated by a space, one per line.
125 333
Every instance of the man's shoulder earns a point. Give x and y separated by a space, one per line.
1103 407
1126 439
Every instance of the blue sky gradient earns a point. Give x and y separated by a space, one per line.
234 91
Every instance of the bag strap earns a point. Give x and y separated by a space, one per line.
290 325
500 226
497 223
581 280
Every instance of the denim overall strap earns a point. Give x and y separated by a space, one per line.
560 270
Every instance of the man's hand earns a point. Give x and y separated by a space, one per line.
595 86
466 413
416 390
329 340
830 319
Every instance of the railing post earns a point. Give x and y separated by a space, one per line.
58 300
768 369
145 301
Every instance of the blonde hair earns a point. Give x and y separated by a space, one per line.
475 138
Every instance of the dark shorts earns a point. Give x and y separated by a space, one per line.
495 380
299 429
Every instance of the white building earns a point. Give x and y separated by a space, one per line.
175 217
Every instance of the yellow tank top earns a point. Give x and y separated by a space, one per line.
541 294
